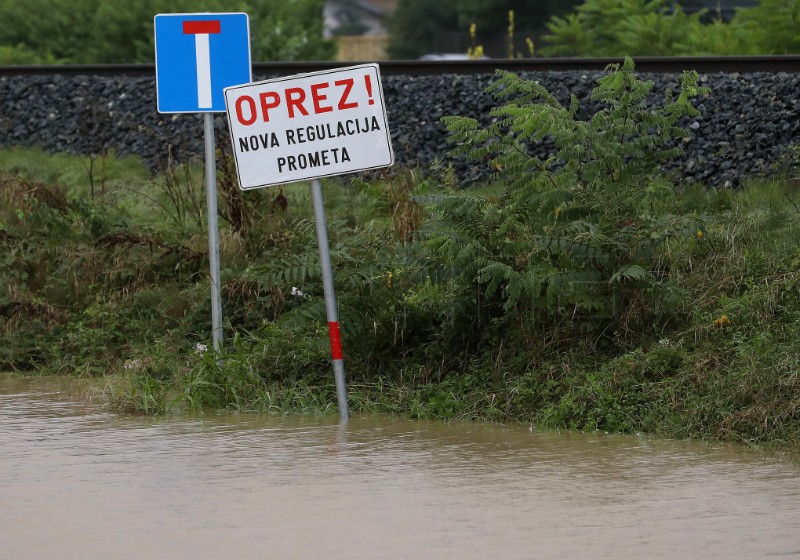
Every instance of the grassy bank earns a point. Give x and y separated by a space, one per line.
599 295
117 286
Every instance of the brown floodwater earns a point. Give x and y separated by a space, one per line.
77 483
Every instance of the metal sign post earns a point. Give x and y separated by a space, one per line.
330 299
213 232
197 56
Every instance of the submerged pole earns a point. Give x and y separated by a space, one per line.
330 299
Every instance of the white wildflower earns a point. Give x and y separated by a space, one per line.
296 292
200 348
132 364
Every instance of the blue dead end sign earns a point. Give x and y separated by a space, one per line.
197 56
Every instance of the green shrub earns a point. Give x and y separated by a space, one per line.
771 27
574 238
662 28
98 31
622 27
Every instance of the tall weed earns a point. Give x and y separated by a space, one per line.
573 237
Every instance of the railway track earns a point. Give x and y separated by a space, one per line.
746 125
725 64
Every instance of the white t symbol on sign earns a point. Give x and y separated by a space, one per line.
201 30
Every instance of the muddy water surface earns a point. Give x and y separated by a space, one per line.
76 483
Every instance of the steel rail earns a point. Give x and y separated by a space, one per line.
713 64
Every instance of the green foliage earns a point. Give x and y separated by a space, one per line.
771 27
98 31
662 28
111 286
415 24
54 30
574 237
74 269
283 30
23 55
493 14
274 370
418 26
624 27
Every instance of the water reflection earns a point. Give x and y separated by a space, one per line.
78 483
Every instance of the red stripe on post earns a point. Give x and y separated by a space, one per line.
196 27
336 340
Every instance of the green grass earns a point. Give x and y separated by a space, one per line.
115 285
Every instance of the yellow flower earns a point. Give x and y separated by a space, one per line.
722 321
531 48
700 235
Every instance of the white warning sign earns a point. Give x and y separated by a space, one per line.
308 126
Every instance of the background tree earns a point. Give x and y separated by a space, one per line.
419 26
662 27
124 35
622 27
493 14
414 25
46 30
281 30
773 27
102 31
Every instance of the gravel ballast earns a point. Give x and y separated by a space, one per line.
744 127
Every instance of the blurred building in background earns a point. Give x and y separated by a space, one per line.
360 27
